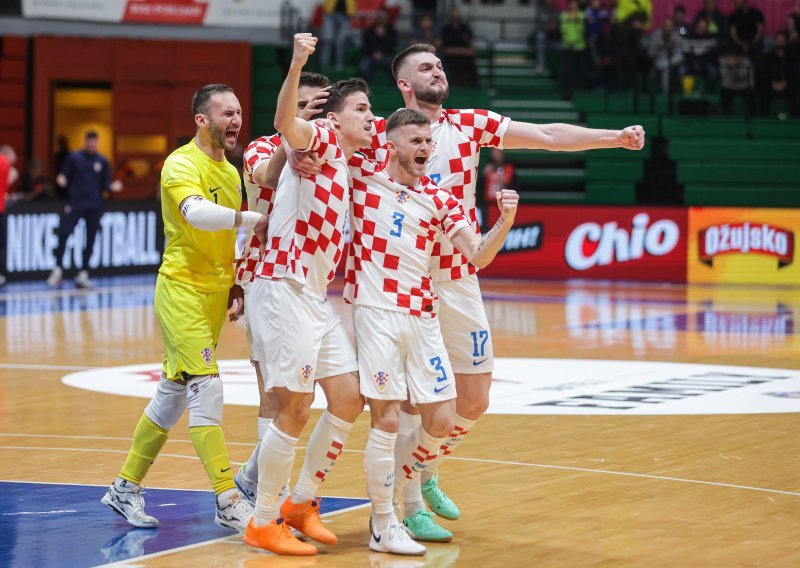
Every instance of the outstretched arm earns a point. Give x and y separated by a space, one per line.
481 251
569 138
296 131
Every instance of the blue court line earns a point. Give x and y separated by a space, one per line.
44 524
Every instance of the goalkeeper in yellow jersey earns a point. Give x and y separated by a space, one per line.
200 200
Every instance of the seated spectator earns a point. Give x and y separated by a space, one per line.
717 23
665 47
573 42
424 8
701 53
781 76
547 33
793 36
497 174
336 29
747 29
377 46
425 33
458 49
737 80
680 21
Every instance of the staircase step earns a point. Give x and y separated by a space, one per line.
527 104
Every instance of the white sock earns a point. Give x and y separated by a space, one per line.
250 472
460 430
324 447
412 494
379 470
418 451
274 467
224 499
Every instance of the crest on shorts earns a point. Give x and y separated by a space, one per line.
207 355
402 196
305 372
381 379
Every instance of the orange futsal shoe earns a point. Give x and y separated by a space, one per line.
305 518
277 537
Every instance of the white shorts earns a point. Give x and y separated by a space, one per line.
248 331
400 354
297 339
465 327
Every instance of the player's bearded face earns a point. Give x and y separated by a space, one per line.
413 148
224 120
428 80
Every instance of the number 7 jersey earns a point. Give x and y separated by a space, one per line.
394 230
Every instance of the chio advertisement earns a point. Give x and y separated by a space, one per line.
130 240
625 243
743 245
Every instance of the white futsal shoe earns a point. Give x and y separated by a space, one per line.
127 500
394 539
233 511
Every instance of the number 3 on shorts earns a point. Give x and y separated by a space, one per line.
436 363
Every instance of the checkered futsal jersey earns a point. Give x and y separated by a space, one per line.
259 198
395 229
305 236
458 136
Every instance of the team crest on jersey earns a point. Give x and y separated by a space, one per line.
305 372
402 196
208 355
381 379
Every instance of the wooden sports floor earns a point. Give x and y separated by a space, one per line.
716 486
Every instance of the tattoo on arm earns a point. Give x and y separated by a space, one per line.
488 237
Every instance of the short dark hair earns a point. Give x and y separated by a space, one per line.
404 116
91 134
340 90
408 52
203 95
679 8
309 79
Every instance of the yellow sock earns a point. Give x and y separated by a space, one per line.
148 439
209 442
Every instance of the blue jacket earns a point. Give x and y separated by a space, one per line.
88 175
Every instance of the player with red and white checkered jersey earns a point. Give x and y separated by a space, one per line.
259 188
385 272
297 336
458 136
397 217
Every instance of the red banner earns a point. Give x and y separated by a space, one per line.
625 243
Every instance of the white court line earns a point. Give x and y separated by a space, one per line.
477 460
44 367
127 563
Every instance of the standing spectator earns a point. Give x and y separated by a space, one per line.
747 28
8 175
335 29
597 18
458 47
548 32
782 75
631 19
497 175
665 47
737 80
86 175
793 36
717 23
701 52
573 41
35 184
377 45
680 21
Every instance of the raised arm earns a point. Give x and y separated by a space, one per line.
481 251
569 138
296 131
